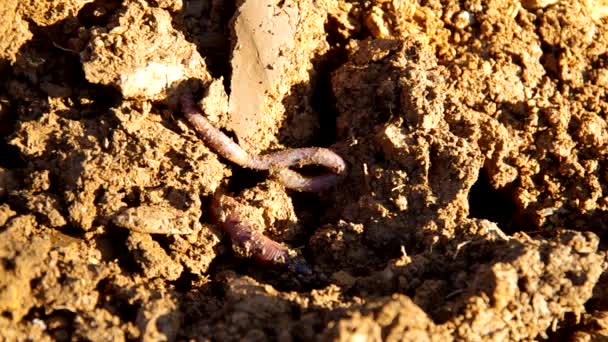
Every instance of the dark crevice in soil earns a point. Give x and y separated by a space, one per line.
213 43
309 209
496 205
164 241
218 54
279 278
98 13
227 261
7 315
549 60
206 202
11 158
232 263
53 57
284 281
99 196
60 322
243 178
599 301
566 327
323 99
133 198
103 98
34 313
185 281
71 231
111 299
112 246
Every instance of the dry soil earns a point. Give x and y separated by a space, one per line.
475 205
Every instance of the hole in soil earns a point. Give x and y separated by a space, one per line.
549 60
217 50
308 208
565 328
599 301
11 159
35 313
98 13
104 97
206 202
242 179
496 205
227 261
60 324
164 241
323 100
133 198
212 40
8 264
112 246
184 282
10 154
70 231
118 303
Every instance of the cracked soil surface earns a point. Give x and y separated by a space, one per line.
475 205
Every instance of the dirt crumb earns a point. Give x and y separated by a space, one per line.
394 318
14 31
529 284
45 13
141 54
25 256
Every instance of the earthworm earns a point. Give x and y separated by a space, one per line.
228 212
277 162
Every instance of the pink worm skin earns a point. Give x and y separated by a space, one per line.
228 211
278 162
263 249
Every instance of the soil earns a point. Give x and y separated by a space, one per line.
475 205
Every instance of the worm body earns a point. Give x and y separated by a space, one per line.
250 242
212 136
229 212
277 162
299 157
293 180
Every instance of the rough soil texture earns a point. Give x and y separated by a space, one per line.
475 206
